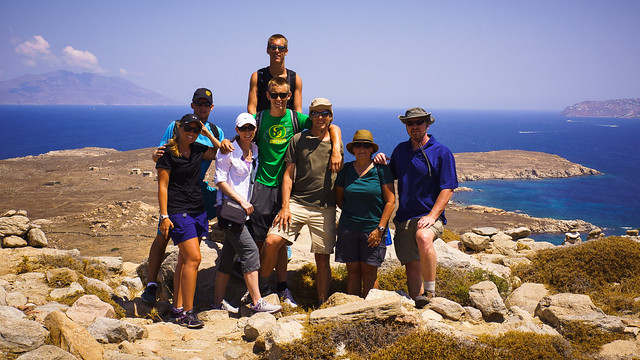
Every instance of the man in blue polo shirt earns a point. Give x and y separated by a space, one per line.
426 173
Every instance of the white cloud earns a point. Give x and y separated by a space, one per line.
83 59
39 47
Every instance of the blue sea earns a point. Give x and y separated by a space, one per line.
612 146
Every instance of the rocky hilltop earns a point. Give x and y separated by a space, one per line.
618 108
67 88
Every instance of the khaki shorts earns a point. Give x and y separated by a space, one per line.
321 223
405 238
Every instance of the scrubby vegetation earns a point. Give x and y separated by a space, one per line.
606 270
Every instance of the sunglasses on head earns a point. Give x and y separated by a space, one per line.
278 95
415 122
195 130
362 145
324 113
277 47
201 103
247 127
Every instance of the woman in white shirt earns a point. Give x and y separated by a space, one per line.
234 180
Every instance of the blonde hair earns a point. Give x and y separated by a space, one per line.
172 144
278 81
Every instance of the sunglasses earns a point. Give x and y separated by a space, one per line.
275 96
195 130
362 145
324 113
247 128
277 47
415 122
201 103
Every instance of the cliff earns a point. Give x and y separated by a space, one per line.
618 108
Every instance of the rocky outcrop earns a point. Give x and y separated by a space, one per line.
618 108
560 309
17 231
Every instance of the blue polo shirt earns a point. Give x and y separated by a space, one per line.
417 190
204 164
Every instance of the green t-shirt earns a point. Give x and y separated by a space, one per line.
363 202
314 180
272 140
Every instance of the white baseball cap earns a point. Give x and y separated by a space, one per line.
244 119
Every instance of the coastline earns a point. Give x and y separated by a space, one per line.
90 198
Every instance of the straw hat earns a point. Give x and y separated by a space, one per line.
362 136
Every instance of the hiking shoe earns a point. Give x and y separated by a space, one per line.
190 320
287 298
246 298
263 306
424 299
224 305
149 294
289 253
175 314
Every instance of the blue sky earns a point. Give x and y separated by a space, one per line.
489 54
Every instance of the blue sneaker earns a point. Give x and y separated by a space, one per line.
190 320
175 314
149 294
289 253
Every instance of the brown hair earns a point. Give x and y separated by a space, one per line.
278 81
276 37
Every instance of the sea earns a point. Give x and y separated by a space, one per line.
610 145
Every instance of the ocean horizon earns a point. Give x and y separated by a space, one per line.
609 145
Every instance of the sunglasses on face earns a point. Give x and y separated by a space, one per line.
201 103
415 122
195 130
247 128
362 145
275 96
277 47
324 113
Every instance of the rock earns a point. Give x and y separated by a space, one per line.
106 330
17 225
259 324
100 285
13 241
135 284
161 332
447 308
89 307
505 247
123 292
37 238
455 259
536 245
42 311
572 238
474 241
431 315
485 296
73 289
518 233
620 349
633 232
282 333
111 263
561 309
10 312
473 314
339 298
3 296
8 213
16 299
72 337
527 296
20 335
380 309
594 234
47 352
515 261
501 236
485 231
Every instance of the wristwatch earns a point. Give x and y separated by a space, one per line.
162 217
382 228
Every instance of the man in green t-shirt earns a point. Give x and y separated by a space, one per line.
308 197
275 129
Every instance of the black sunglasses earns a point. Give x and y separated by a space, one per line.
247 128
415 122
277 47
201 103
362 145
278 95
324 113
195 130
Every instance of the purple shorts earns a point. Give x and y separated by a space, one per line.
188 226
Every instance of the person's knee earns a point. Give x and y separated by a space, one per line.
274 242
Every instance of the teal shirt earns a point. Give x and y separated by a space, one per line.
363 201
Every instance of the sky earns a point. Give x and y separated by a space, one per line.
490 54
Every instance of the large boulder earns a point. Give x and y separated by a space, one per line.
504 247
527 296
107 330
18 336
13 241
485 231
518 233
485 296
447 308
47 352
380 309
259 324
451 258
37 238
561 309
474 241
17 225
72 337
282 333
88 308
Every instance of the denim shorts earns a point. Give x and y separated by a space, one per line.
188 226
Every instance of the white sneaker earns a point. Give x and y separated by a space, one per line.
246 298
287 298
225 306
263 306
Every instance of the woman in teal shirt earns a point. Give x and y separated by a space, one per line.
366 195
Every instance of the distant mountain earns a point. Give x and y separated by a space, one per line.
618 108
66 88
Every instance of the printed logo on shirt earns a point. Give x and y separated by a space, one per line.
277 134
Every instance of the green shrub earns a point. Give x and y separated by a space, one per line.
588 338
524 345
303 284
448 236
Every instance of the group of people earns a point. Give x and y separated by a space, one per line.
283 170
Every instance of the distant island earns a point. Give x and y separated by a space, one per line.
618 108
67 88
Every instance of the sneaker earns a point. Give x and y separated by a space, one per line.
190 320
149 294
175 315
424 299
263 306
289 253
246 298
224 305
287 298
